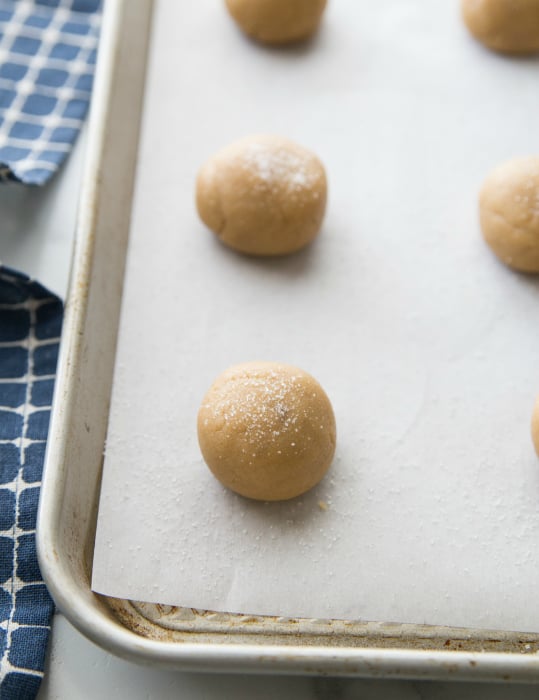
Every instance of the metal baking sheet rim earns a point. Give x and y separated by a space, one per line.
162 635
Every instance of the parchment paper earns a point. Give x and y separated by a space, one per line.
426 345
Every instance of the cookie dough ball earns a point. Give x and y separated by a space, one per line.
263 195
535 426
509 213
277 21
508 26
267 430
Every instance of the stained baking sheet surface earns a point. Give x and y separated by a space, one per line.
426 345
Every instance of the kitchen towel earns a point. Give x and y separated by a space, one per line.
47 61
30 326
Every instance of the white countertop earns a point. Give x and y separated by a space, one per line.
36 233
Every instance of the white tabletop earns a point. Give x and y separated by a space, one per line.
36 233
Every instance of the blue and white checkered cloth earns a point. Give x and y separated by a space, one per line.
30 325
47 60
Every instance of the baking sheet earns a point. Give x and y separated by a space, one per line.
427 346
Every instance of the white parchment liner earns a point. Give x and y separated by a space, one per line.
427 346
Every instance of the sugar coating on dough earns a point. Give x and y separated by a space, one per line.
535 426
508 26
509 213
263 195
277 21
267 430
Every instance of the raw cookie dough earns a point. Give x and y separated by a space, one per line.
267 430
508 26
535 426
509 213
277 21
263 195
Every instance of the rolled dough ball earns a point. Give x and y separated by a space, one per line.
277 21
263 195
508 26
535 427
267 430
509 213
